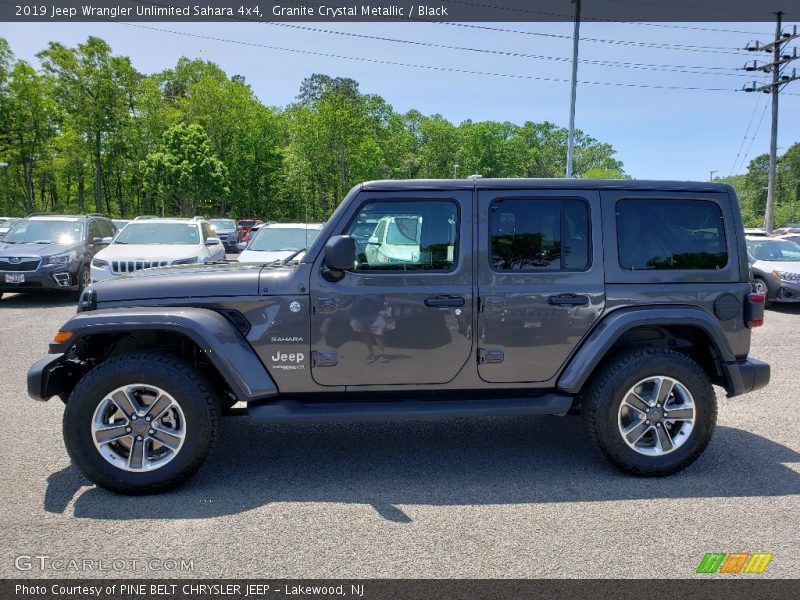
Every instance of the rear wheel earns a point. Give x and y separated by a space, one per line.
760 287
140 423
650 411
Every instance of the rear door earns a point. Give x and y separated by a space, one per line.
403 314
540 280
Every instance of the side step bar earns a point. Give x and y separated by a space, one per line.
292 411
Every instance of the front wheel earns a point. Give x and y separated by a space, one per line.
761 287
140 423
650 411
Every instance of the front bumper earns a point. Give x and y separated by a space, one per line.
745 376
51 278
788 292
44 377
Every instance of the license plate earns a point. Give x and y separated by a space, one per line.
15 278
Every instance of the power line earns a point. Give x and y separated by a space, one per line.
419 66
746 131
605 63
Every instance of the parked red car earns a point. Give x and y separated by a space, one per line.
244 225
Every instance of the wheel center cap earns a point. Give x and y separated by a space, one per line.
655 414
139 426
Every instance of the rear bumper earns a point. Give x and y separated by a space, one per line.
745 376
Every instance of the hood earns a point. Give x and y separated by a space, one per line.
7 249
777 265
147 252
184 282
263 256
176 285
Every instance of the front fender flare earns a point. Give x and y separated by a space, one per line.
217 337
595 347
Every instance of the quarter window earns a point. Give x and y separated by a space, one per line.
533 234
406 236
670 234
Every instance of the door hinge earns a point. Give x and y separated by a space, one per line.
324 358
490 356
492 303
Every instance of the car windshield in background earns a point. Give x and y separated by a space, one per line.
44 232
182 234
283 239
223 224
774 250
246 223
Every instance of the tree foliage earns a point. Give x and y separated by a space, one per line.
87 124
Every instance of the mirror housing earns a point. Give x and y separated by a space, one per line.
102 241
212 241
340 254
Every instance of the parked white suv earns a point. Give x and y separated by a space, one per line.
145 243
278 241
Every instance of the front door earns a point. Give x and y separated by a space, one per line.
403 314
540 280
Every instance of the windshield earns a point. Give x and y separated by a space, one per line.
223 224
178 234
289 239
45 232
774 250
120 223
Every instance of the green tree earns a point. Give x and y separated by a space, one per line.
96 90
30 124
184 172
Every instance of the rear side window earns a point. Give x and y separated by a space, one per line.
670 234
532 234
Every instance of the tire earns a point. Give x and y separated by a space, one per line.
84 278
191 418
607 411
761 288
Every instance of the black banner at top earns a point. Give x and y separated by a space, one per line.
397 10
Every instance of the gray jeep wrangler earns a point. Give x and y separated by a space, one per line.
624 301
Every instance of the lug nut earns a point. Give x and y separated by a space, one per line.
138 437
647 422
128 429
151 432
147 418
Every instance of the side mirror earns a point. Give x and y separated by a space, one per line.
104 241
213 242
340 254
242 246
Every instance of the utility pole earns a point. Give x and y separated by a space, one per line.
711 175
779 61
574 91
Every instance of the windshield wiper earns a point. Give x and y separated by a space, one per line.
289 258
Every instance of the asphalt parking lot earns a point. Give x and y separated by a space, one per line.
465 498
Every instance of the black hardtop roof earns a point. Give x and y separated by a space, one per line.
555 184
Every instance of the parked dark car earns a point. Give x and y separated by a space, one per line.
512 297
46 251
227 232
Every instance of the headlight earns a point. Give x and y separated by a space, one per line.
787 276
99 263
185 261
61 259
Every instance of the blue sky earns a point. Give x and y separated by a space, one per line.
658 133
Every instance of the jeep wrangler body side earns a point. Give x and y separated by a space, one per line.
509 297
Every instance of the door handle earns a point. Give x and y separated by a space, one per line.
568 300
444 301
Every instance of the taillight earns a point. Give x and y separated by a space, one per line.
754 311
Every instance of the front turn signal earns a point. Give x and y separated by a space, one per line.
62 336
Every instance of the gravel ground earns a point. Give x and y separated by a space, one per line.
463 498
